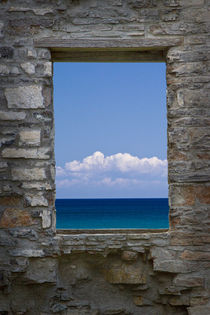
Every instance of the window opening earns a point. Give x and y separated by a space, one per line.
110 145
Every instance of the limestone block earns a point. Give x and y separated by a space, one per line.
129 256
198 310
42 270
193 3
174 266
19 252
13 217
35 200
24 97
140 301
125 274
28 67
13 153
30 137
46 218
188 281
1 29
179 300
31 53
4 70
28 173
195 255
12 200
37 186
47 69
12 115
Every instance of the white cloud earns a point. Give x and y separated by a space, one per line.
117 170
121 162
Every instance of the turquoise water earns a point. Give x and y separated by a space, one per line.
112 213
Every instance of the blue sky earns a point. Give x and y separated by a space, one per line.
110 130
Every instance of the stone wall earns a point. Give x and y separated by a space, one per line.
44 272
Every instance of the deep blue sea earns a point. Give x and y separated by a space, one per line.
112 213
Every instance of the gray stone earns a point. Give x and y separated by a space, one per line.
28 67
42 270
24 97
12 115
4 70
13 153
27 252
28 174
198 310
36 199
46 218
30 137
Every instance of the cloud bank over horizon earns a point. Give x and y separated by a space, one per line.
117 175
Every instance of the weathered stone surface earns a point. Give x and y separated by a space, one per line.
28 67
13 153
41 271
10 200
13 217
24 97
189 281
195 255
28 174
46 218
129 256
198 310
140 301
30 137
35 200
47 71
125 274
12 115
27 253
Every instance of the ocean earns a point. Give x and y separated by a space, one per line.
112 213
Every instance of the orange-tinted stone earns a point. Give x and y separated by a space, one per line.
177 156
203 194
174 221
203 156
14 217
10 200
189 195
197 255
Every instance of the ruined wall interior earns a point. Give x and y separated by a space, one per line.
44 272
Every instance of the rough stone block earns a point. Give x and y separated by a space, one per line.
188 281
13 153
140 301
28 67
195 255
4 70
12 200
125 274
20 252
12 218
47 71
46 218
12 115
129 256
199 310
42 270
25 97
35 200
30 137
28 173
